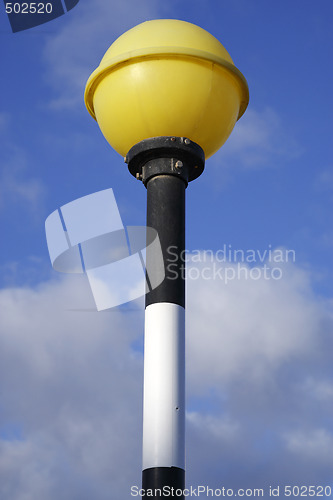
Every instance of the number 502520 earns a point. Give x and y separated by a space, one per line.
28 8
307 491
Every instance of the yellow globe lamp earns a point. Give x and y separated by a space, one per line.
166 78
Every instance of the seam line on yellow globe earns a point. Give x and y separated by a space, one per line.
135 55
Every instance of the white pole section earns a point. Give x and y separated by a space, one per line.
164 386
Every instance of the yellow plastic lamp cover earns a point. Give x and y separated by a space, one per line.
166 78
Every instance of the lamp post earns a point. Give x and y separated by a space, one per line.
166 96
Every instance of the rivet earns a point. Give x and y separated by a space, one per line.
179 164
187 141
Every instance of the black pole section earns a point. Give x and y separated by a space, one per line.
166 214
165 165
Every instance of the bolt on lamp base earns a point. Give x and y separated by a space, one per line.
176 156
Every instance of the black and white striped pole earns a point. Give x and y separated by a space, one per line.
166 96
165 165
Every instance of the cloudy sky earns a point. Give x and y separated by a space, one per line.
259 346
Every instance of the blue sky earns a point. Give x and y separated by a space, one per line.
259 364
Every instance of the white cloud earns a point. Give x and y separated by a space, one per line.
254 326
4 121
322 390
316 444
71 382
16 189
75 52
260 139
259 388
222 429
325 180
251 345
16 185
